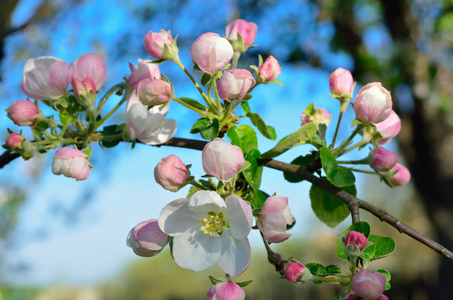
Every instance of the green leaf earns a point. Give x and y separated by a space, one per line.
333 269
193 189
301 160
208 130
316 269
244 137
384 246
388 277
362 227
301 136
328 208
205 78
337 175
368 252
257 199
111 131
193 103
254 172
267 131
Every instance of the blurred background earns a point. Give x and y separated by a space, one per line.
62 239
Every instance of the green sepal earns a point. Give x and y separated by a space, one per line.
244 283
214 280
205 79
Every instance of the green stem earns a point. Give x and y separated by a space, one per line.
363 161
217 99
107 95
179 64
110 113
196 184
204 113
337 128
236 56
362 171
345 143
333 279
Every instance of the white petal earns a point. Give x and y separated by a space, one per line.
236 254
176 218
197 251
239 216
204 201
165 134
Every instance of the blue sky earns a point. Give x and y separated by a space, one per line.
94 247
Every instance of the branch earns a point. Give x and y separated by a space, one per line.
302 171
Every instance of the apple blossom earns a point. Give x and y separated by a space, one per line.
45 78
389 128
382 159
146 239
355 238
211 52
171 173
221 159
321 116
400 175
373 103
23 113
90 66
155 44
295 272
234 84
247 31
228 290
341 83
273 218
14 141
269 70
153 91
143 70
368 286
209 230
71 163
84 90
148 126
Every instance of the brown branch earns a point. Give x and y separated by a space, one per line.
274 258
302 171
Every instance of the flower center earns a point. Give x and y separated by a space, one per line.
214 224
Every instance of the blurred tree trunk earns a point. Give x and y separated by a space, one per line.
426 140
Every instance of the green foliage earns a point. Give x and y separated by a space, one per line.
328 208
337 175
301 136
193 103
254 172
362 227
244 137
387 277
208 129
112 136
321 271
300 160
267 131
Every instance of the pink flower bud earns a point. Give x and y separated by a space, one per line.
341 83
155 43
355 238
143 70
368 286
402 175
226 291
274 216
14 141
295 271
23 113
90 66
85 91
247 30
211 52
373 103
146 239
389 128
321 116
382 159
45 78
171 173
153 91
269 70
221 159
234 84
71 163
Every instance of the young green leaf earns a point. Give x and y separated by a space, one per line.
300 160
244 137
384 246
337 175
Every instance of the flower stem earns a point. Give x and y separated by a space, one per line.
217 99
179 64
362 171
337 128
345 143
363 161
236 56
110 113
204 113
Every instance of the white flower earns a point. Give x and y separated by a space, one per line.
209 230
148 126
